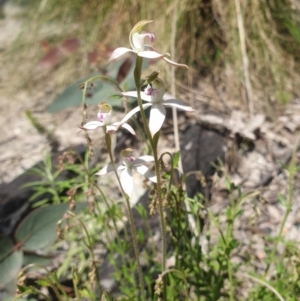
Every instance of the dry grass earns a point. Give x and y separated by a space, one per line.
207 40
272 31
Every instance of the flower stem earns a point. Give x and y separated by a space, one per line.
91 249
153 142
289 203
131 222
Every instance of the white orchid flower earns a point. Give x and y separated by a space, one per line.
137 42
130 163
154 95
105 115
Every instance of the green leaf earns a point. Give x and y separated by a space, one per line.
109 95
151 78
102 91
37 230
31 258
10 261
42 282
72 96
106 297
176 157
282 199
229 185
238 213
9 292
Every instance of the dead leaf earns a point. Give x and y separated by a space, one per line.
70 45
124 69
51 59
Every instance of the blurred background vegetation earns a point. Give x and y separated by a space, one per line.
207 39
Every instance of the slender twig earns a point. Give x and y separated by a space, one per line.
91 249
130 218
56 286
241 29
289 203
36 291
191 220
174 271
264 283
173 86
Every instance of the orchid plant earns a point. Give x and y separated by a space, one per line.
155 97
140 48
130 163
105 120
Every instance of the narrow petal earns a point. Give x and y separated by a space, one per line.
157 117
142 160
132 112
92 125
128 128
150 54
119 52
145 171
106 169
134 94
127 181
179 104
175 64
130 93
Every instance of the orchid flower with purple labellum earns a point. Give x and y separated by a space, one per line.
154 95
130 163
137 42
104 119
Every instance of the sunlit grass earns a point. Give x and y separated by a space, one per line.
206 38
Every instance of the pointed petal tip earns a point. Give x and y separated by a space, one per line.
128 128
179 104
138 26
175 64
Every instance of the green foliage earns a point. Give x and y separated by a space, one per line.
101 91
201 271
37 230
53 183
10 261
33 237
41 128
285 281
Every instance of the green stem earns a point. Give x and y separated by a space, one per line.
229 237
161 212
153 142
131 221
291 170
35 291
91 249
230 276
